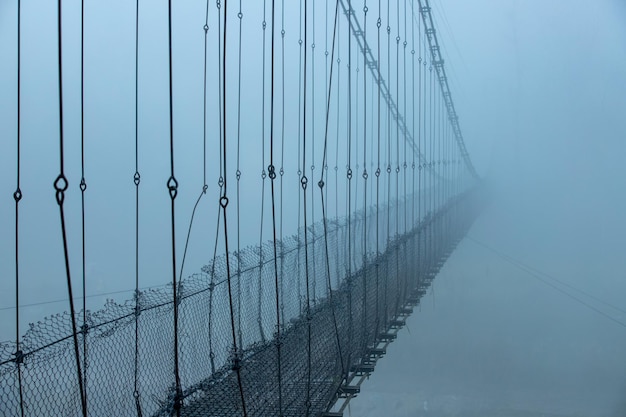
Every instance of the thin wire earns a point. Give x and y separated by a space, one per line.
172 186
413 224
338 123
282 156
272 174
137 180
525 266
397 202
313 90
404 164
300 112
432 171
326 78
364 175
61 185
349 187
17 196
236 359
83 187
321 185
303 182
338 274
539 275
238 176
388 121
220 183
397 138
377 173
62 300
263 176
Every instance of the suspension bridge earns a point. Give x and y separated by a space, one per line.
329 166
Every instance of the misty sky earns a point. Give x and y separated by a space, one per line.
540 88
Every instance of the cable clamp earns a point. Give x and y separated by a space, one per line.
179 292
235 360
19 357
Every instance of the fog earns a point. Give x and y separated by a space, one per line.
540 88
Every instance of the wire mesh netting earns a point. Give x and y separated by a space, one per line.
127 349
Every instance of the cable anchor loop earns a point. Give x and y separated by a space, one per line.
60 185
172 186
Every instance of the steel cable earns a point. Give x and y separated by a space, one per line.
17 196
61 186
